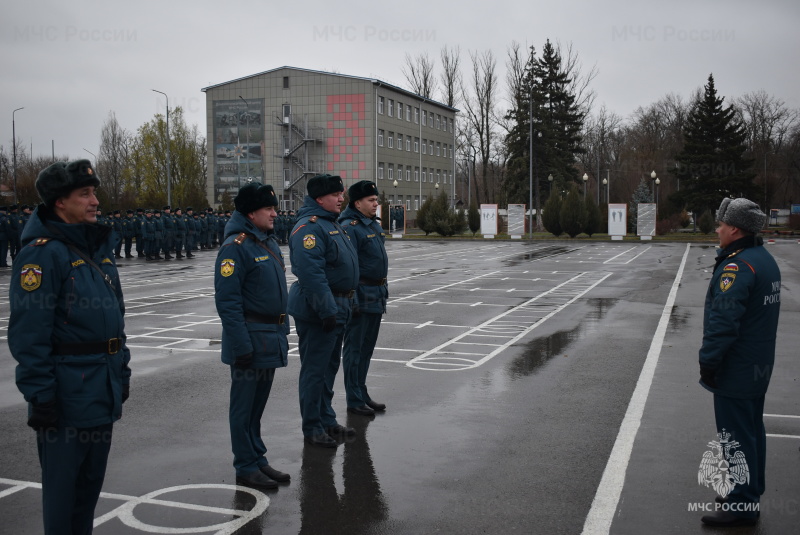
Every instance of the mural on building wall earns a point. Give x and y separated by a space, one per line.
238 144
347 119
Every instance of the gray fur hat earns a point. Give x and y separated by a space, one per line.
60 178
742 213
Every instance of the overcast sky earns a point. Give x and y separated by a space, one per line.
69 63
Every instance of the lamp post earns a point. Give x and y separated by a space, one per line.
654 177
605 183
585 181
169 179
14 145
93 155
247 121
550 179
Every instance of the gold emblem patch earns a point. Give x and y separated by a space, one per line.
30 277
726 281
309 241
226 267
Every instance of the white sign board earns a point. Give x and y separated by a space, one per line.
617 221
489 220
516 221
646 220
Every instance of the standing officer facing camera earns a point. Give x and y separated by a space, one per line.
251 299
321 301
361 223
739 329
66 332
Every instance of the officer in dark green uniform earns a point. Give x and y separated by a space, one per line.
138 219
321 301
361 223
740 324
4 231
66 332
251 298
129 227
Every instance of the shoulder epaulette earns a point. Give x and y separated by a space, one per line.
40 241
240 239
312 219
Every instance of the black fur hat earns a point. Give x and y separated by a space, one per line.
321 185
254 196
60 178
359 190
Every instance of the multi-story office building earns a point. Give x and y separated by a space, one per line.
285 125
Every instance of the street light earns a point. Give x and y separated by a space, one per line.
247 120
585 179
169 179
605 183
14 145
654 178
550 179
93 155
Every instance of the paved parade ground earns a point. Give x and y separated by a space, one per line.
532 387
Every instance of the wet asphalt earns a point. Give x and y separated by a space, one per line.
507 369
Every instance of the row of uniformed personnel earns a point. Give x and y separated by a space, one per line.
12 222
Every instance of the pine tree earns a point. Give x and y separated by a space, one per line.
713 165
593 217
551 217
473 218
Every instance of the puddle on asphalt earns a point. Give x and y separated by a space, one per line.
552 250
541 350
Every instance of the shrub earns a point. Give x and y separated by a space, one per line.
706 222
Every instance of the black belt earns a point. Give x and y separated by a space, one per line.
255 317
348 294
372 282
110 346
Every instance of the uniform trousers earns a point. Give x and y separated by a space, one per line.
73 465
320 355
744 420
360 338
250 388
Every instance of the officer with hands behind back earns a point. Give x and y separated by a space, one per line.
251 299
66 332
321 301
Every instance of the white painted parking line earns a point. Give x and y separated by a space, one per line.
782 415
783 436
125 512
604 505
609 261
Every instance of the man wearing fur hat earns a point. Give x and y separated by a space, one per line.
321 301
67 333
251 299
738 352
361 223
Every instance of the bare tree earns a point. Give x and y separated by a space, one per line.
580 81
113 159
480 111
419 74
451 75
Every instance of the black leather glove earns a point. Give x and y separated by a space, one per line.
329 324
126 392
44 416
356 312
244 361
707 375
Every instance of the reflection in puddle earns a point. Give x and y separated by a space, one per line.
544 252
540 350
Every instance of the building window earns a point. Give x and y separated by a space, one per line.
416 202
399 172
380 171
399 141
451 152
416 174
416 144
416 115
380 105
391 171
444 124
408 204
424 174
438 121
424 146
408 143
408 174
286 82
391 200
424 117
390 139
430 145
408 113
400 110
380 138
451 126
438 174
438 149
390 107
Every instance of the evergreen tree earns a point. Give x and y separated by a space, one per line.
712 164
473 218
706 222
573 213
593 217
544 92
551 216
424 219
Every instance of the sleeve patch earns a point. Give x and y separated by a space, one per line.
30 277
309 241
726 281
226 267
731 267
